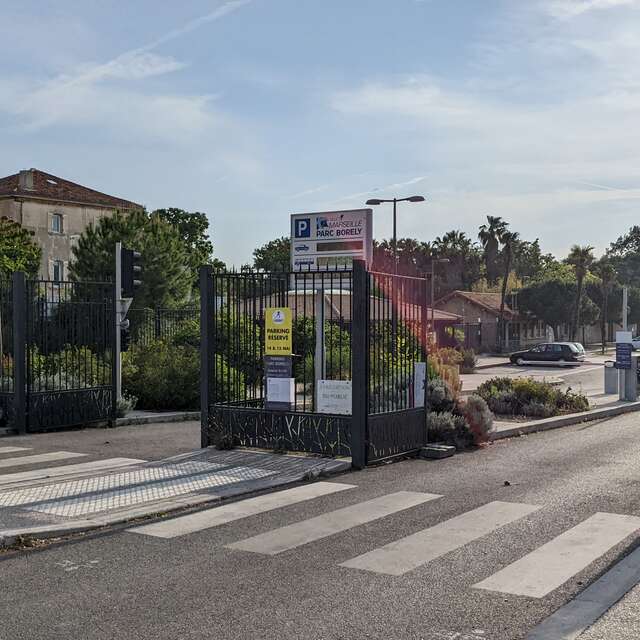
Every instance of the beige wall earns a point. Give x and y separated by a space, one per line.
36 216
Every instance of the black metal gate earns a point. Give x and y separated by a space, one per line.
351 325
58 341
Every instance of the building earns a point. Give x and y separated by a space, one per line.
480 314
57 211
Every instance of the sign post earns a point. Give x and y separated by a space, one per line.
624 350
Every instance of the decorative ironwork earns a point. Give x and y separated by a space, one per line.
396 433
323 434
57 409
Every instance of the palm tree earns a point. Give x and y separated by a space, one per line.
490 235
605 270
580 258
510 240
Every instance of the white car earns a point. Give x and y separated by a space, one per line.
636 343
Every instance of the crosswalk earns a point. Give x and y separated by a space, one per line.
534 575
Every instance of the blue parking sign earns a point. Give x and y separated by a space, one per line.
302 228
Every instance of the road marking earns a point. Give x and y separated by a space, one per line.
4 450
328 524
401 556
68 469
552 564
39 458
237 510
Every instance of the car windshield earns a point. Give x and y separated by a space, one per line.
574 348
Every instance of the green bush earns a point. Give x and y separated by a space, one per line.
478 417
449 355
528 397
469 361
440 397
450 428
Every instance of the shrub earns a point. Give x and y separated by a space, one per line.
537 409
478 417
448 356
164 376
125 404
524 396
449 428
469 361
440 396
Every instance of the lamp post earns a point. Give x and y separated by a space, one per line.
376 201
434 262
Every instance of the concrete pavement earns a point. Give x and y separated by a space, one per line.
478 514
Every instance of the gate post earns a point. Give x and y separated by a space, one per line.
359 365
207 373
19 303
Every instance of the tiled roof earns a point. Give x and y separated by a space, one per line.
488 301
49 187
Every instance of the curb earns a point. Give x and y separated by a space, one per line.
191 502
564 421
571 620
159 418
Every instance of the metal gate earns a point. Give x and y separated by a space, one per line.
356 326
57 353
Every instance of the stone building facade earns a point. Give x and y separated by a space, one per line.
57 211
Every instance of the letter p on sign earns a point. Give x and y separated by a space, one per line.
303 228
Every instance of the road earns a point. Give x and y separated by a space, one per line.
303 567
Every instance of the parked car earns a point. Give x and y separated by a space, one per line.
579 347
635 342
556 353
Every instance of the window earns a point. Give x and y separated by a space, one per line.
58 270
557 348
56 222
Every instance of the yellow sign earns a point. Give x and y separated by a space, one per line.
278 335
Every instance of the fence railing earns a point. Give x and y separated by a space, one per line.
58 341
148 325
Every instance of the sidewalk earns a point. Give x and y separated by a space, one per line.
82 500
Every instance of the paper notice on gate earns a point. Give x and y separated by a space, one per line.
280 393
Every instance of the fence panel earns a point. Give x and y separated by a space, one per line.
235 358
148 325
70 333
397 344
6 355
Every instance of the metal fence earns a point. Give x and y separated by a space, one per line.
61 361
148 325
6 353
365 328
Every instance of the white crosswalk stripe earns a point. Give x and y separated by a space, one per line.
551 565
67 469
39 458
401 556
237 510
295 535
5 450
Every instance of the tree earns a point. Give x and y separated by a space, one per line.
529 261
509 241
605 271
580 258
489 236
273 256
193 228
166 277
465 259
18 251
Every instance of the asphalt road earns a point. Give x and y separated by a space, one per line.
122 584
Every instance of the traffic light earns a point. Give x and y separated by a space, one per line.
125 335
130 268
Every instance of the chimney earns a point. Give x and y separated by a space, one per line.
25 180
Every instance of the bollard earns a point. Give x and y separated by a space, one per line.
610 377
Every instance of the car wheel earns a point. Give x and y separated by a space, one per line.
519 362
562 362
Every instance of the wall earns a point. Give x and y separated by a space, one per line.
36 216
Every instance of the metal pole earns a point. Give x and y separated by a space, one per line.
395 241
622 379
20 378
207 362
118 316
359 366
320 354
433 325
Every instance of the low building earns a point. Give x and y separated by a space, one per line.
480 313
57 211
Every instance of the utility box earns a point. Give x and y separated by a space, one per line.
610 377
631 381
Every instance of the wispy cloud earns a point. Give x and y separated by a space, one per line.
573 8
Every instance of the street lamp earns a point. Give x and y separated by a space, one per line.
376 201
434 262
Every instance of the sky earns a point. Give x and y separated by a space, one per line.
251 110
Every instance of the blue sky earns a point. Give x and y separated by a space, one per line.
254 109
